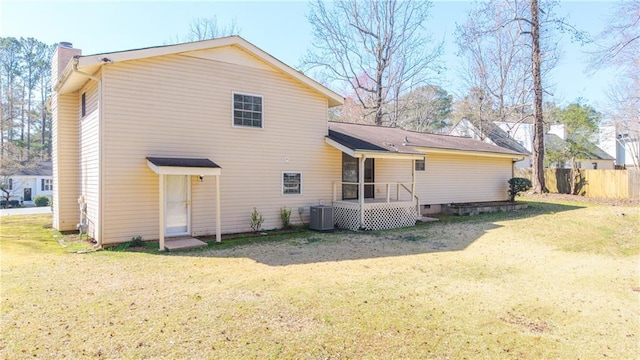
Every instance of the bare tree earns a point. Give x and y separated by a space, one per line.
379 48
205 28
618 46
510 49
10 68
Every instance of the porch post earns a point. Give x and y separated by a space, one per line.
413 186
218 222
361 162
161 207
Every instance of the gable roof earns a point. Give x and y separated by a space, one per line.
395 142
91 63
41 168
497 135
553 141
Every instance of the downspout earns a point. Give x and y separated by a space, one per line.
74 64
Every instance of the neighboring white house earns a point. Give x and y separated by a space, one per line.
30 182
519 137
621 144
598 159
189 139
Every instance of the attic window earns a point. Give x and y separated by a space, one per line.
420 165
247 110
84 104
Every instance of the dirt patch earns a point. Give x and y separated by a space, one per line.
536 326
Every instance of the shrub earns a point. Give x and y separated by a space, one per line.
137 241
516 185
41 200
285 216
256 220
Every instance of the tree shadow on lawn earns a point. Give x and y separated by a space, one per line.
451 233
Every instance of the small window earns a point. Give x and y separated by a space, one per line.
247 110
420 165
7 184
46 185
291 183
84 104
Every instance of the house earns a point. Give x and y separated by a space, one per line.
621 143
519 137
490 132
29 182
555 138
424 170
189 139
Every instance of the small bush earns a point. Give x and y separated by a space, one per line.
137 241
285 216
517 185
41 201
256 220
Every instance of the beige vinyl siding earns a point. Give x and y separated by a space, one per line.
182 106
602 164
452 178
88 158
65 161
392 171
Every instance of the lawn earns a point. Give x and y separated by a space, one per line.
557 280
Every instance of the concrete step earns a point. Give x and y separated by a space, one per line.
183 243
426 219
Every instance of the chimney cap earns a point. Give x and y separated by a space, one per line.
66 44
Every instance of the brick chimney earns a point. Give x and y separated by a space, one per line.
60 59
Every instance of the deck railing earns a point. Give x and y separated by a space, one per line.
389 194
394 209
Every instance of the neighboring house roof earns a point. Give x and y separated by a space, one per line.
42 168
497 136
553 141
91 63
386 140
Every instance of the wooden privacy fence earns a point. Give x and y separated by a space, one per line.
612 184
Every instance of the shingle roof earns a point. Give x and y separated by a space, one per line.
553 141
42 168
386 139
499 136
183 162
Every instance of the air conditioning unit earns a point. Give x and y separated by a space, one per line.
321 218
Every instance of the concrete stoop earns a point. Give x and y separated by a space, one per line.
183 243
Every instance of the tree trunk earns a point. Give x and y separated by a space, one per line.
538 125
29 126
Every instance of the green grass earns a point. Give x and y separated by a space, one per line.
557 280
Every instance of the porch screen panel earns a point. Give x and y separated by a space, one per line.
350 175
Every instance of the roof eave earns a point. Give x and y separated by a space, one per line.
359 153
432 150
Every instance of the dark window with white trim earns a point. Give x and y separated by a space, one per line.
46 185
84 104
420 165
291 183
247 110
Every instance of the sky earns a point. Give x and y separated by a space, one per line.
277 27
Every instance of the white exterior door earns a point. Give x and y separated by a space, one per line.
177 194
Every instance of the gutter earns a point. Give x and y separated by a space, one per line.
74 69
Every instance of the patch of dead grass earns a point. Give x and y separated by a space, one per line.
506 285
